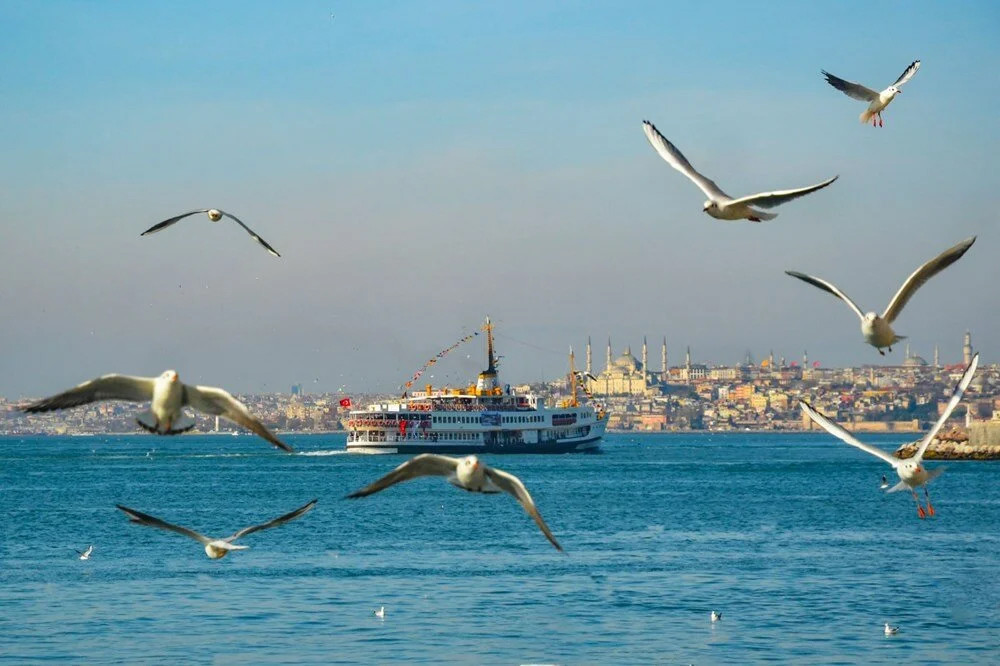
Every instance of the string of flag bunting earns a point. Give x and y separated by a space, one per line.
441 354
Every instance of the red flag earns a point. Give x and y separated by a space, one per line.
402 427
815 364
345 402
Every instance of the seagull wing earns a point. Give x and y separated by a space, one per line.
215 401
252 233
674 158
280 520
512 485
166 223
922 275
843 435
956 397
827 287
853 90
907 73
772 199
152 521
106 387
426 464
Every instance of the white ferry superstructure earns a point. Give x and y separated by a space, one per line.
483 418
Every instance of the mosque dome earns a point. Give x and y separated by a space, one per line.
915 362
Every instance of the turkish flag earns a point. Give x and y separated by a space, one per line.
402 427
345 402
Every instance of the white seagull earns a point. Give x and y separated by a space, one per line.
890 630
877 101
214 548
85 554
465 473
720 205
911 471
876 328
167 395
716 616
214 214
380 613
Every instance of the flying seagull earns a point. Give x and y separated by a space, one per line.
720 205
214 548
911 471
877 329
466 473
877 101
85 554
214 214
168 396
890 630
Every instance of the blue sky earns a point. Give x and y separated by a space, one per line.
420 165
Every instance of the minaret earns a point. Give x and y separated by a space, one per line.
770 360
687 364
967 349
937 358
644 364
588 355
663 358
805 359
906 353
607 362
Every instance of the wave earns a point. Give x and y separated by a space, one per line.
335 452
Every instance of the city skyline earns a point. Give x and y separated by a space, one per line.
420 165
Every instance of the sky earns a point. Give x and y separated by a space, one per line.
420 165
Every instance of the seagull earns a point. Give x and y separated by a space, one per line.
876 328
716 616
380 613
167 396
890 630
877 101
214 214
465 473
85 555
214 548
583 374
720 205
911 471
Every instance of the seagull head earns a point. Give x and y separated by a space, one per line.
472 462
215 215
170 375
870 317
893 90
707 206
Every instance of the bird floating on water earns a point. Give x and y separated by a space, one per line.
720 205
716 616
877 101
380 613
167 395
214 214
876 328
85 554
466 473
890 630
214 548
912 472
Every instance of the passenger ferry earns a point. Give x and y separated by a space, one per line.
482 418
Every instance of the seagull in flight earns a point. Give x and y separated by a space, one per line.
877 101
214 214
85 554
465 473
720 205
876 328
214 548
911 471
167 395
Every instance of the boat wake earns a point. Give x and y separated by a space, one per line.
336 452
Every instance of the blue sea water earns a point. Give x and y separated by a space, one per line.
787 535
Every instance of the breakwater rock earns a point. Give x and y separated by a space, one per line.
953 445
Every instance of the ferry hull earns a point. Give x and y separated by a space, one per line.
588 445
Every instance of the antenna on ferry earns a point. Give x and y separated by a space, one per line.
487 382
572 378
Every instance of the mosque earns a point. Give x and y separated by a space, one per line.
627 375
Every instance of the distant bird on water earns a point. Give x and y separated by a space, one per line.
890 630
876 328
167 395
465 473
380 613
214 548
214 214
720 205
911 471
85 554
716 616
877 100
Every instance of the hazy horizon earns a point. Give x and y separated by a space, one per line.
421 165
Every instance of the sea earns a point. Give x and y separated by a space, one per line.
787 535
